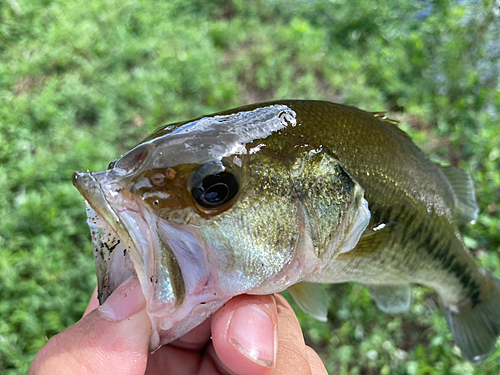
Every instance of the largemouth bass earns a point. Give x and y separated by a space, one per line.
282 195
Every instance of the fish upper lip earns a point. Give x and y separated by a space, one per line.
90 188
92 191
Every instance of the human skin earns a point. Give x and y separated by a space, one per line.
257 335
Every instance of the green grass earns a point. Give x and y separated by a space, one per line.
81 82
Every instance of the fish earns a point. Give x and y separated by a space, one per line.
290 194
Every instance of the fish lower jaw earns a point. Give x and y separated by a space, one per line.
168 328
112 260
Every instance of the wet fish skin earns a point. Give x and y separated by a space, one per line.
302 169
412 235
406 192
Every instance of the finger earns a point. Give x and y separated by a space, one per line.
93 303
317 366
112 339
244 334
292 355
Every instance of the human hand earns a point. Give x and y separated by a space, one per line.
257 335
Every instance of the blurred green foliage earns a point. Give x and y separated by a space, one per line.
83 81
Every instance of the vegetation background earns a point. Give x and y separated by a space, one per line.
81 82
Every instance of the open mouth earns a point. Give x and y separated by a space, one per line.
168 259
112 245
127 241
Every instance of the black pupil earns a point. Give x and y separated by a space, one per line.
216 193
216 190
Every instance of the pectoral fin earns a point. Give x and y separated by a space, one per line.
361 220
391 299
311 298
371 241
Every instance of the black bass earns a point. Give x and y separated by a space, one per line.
284 195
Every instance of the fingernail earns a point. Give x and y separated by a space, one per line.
125 301
251 331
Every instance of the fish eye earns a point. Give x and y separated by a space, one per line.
215 189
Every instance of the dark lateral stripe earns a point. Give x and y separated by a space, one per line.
425 234
439 249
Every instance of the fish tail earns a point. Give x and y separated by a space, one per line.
475 326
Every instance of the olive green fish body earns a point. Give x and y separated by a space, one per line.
412 236
282 195
410 199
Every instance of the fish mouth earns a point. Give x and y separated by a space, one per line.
170 260
112 243
126 237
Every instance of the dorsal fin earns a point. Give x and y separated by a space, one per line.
465 208
382 117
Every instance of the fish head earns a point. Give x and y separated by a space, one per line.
216 207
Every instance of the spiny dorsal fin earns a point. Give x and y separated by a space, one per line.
311 298
382 117
466 208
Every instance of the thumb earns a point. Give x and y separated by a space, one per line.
112 339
